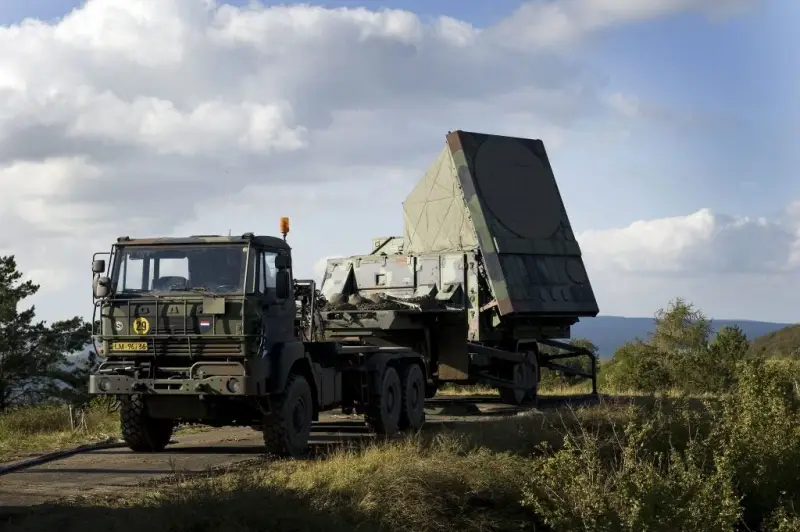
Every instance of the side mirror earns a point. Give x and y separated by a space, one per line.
98 266
101 287
283 261
283 284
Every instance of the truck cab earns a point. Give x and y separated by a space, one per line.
178 308
215 330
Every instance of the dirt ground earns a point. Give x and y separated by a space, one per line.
111 470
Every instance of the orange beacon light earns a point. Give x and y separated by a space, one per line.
284 226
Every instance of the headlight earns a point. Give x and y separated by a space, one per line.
234 386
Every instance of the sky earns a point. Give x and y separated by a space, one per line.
670 124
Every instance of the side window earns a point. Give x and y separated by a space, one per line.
262 285
269 270
266 273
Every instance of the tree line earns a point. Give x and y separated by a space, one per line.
683 352
36 359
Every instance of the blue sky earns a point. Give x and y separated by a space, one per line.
738 69
744 68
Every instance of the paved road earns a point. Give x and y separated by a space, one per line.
110 470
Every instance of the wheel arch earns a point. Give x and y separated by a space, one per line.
292 358
376 365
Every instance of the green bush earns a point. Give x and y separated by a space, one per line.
681 354
735 460
758 437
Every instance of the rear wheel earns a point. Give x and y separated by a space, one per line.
142 433
383 413
523 376
287 428
412 414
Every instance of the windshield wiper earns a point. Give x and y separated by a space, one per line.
204 290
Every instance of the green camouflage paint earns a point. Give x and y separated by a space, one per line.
491 204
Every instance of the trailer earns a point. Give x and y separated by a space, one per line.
487 270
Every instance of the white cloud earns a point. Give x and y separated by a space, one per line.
732 267
702 243
544 23
188 116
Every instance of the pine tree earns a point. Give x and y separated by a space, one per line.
34 356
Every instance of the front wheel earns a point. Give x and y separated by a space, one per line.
140 432
287 428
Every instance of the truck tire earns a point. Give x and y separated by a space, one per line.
532 396
412 414
523 375
287 428
383 413
431 390
140 432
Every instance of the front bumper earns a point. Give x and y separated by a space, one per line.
231 385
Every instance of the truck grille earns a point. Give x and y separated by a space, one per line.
173 325
198 348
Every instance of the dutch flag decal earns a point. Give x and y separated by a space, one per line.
205 323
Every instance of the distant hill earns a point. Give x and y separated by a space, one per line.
785 341
610 332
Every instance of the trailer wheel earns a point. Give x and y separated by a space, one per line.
413 398
140 432
287 428
383 413
523 376
533 392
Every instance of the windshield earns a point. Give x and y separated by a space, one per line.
209 268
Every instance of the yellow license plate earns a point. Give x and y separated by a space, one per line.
129 346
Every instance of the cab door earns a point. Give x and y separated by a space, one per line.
278 313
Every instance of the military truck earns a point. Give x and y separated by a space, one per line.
215 330
487 270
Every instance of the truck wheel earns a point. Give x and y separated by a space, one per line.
383 413
533 393
287 427
140 432
523 376
412 414
431 390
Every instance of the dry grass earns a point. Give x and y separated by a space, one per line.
480 390
464 477
450 390
27 432
399 486
631 463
